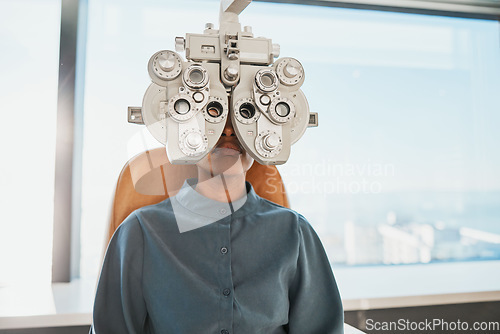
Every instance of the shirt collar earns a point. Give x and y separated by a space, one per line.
195 202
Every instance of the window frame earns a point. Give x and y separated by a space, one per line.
69 137
69 142
483 9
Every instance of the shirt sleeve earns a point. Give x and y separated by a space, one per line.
315 304
119 306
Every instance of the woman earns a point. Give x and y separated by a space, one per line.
217 258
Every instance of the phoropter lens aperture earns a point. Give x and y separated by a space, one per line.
196 76
182 106
282 109
267 80
214 109
247 110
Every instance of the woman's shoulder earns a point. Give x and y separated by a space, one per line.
279 208
151 215
161 207
283 213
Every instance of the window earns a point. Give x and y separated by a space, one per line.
403 167
28 91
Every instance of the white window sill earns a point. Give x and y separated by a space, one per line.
376 287
56 305
362 288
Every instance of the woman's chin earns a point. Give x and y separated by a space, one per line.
225 151
226 161
228 165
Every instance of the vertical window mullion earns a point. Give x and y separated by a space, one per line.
67 192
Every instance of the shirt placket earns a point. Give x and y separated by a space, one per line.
225 277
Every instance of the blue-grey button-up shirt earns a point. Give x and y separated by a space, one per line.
254 268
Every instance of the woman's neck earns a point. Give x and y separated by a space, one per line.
221 187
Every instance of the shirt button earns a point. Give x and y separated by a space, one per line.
226 292
223 250
222 211
224 331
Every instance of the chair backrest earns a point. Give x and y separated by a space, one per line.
149 178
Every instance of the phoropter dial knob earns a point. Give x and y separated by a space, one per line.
192 142
268 144
271 141
164 66
290 71
180 44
